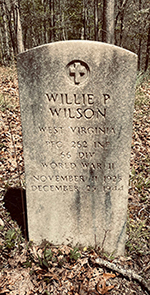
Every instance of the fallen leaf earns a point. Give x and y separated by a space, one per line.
101 286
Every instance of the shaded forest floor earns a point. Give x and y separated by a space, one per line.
45 269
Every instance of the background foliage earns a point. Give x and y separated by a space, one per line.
45 21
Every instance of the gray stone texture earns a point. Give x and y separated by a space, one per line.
77 101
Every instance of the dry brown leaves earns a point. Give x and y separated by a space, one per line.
140 152
11 133
81 277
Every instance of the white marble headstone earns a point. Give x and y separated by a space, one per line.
77 100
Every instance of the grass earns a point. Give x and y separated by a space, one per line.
142 90
138 237
140 181
6 102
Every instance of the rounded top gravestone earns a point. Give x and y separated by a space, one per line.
77 100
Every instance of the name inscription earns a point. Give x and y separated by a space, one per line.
87 101
75 99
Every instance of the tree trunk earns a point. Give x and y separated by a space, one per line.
108 21
148 49
120 14
5 41
121 23
63 26
52 20
20 46
44 22
96 20
15 26
140 41
50 25
83 29
11 24
2 47
61 20
121 30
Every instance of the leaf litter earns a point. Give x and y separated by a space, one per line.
45 269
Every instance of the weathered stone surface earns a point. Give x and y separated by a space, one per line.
77 100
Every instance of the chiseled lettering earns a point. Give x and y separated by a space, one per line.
100 112
78 113
88 113
113 188
52 96
94 166
40 188
43 129
71 99
55 111
59 178
54 130
99 166
45 188
83 130
58 188
64 178
76 99
79 144
91 188
111 165
78 129
34 187
85 165
92 130
106 97
56 144
73 129
90 97
67 99
70 114
52 187
112 178
82 178
100 144
53 165
86 155
44 164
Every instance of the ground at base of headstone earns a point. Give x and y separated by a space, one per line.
45 269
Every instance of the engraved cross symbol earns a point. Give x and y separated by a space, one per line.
78 71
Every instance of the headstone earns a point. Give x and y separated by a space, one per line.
77 100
